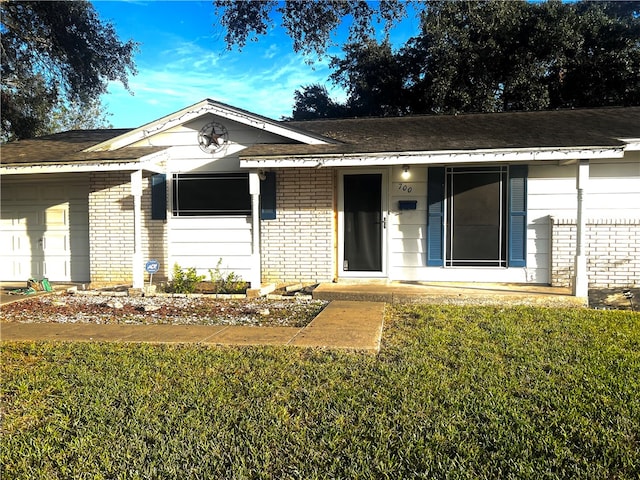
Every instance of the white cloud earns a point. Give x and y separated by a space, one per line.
271 52
257 80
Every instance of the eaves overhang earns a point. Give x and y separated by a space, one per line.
432 157
151 163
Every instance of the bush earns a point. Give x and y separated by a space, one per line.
184 281
229 283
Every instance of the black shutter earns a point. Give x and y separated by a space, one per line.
159 197
268 197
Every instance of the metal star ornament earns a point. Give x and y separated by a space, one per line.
213 137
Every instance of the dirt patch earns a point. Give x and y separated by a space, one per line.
615 299
105 309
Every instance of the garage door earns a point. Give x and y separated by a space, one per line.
44 228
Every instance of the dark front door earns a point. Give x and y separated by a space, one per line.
363 222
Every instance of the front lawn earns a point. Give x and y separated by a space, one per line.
457 392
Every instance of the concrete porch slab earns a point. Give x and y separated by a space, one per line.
450 293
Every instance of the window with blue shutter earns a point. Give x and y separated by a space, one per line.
159 197
518 216
435 216
268 197
498 193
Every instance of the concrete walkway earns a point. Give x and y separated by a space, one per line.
348 325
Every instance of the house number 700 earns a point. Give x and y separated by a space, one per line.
404 187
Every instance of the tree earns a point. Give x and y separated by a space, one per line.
57 57
309 24
373 77
496 56
75 116
313 102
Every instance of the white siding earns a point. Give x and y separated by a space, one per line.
201 242
613 193
407 241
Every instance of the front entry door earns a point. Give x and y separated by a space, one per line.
363 222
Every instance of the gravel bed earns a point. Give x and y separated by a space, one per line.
201 310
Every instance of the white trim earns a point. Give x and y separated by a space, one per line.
137 259
632 144
580 273
148 163
254 190
436 157
385 230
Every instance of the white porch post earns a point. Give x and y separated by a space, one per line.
254 190
137 260
580 275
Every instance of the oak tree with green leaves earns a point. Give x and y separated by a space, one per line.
466 57
57 59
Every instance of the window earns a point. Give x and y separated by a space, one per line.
477 216
211 194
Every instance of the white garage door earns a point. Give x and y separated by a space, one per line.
44 228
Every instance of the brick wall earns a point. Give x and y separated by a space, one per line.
298 245
154 234
111 239
613 252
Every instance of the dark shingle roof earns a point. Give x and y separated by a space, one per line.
67 147
511 130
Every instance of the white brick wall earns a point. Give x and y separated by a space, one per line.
111 229
613 252
298 246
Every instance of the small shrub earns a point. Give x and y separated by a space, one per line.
229 283
184 281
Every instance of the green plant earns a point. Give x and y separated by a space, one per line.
229 283
456 392
184 281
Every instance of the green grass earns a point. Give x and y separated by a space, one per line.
456 393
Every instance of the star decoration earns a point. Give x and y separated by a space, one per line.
212 137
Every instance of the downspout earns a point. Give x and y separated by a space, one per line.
137 260
254 191
580 281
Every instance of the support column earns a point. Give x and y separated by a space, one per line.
137 261
580 281
254 190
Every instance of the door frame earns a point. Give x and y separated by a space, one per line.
384 209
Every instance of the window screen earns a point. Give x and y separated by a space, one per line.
211 194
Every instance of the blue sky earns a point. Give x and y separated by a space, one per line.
183 59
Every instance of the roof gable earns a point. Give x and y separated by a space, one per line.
203 108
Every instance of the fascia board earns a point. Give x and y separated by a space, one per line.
148 162
632 144
435 157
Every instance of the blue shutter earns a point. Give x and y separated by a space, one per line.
159 197
268 197
435 216
518 216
